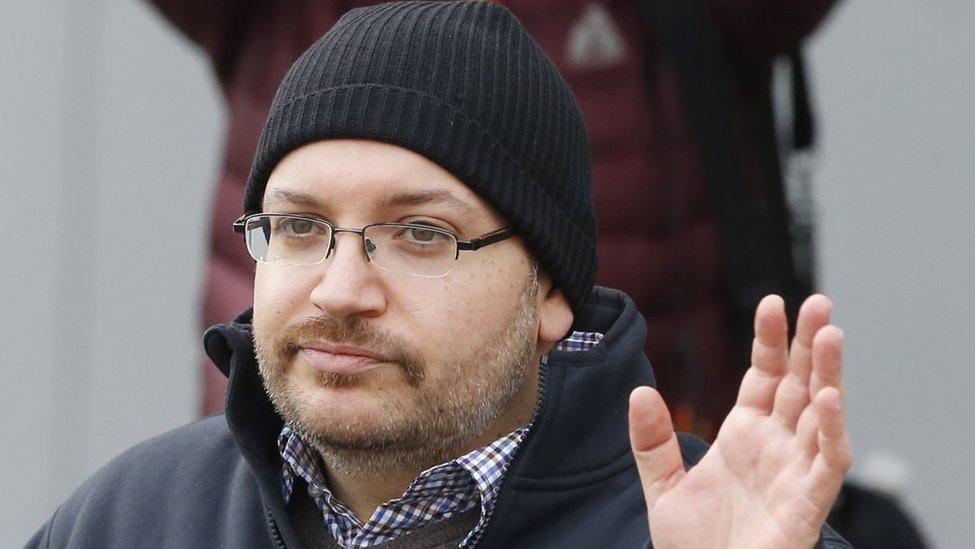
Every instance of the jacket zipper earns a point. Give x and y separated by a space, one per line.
543 369
275 533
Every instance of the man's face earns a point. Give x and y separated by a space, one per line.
380 369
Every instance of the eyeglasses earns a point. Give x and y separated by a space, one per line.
408 248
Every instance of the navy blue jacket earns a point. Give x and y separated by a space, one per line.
216 482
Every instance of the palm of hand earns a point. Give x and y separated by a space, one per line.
779 459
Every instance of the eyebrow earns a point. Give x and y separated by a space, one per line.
292 197
415 198
425 197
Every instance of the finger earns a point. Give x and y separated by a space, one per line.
654 444
826 354
792 397
807 430
814 315
769 356
834 457
793 393
827 360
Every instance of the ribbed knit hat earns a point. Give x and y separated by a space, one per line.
463 84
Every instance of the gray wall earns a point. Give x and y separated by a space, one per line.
894 83
111 136
112 131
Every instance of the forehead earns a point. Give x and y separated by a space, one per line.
358 173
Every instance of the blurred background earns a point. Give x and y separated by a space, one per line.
114 131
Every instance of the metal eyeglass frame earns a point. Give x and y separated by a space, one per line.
476 243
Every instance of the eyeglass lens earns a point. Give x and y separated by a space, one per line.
409 249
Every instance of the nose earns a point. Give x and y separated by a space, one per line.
349 285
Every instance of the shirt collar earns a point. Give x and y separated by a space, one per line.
438 493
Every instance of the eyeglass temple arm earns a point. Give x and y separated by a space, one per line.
240 226
484 240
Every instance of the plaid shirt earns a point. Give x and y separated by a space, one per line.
437 494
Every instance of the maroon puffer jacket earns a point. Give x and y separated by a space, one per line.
658 237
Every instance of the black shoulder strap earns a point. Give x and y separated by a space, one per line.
804 128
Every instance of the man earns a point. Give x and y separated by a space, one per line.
427 363
664 182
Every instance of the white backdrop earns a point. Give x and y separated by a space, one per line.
112 132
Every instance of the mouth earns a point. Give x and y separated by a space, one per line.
340 359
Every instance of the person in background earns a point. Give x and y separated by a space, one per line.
672 234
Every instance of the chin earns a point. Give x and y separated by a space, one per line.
357 408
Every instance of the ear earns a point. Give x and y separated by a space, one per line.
555 314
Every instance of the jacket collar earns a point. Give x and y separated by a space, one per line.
579 432
251 418
581 423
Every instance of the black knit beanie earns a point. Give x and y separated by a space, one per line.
463 84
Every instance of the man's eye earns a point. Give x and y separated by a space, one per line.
423 235
296 226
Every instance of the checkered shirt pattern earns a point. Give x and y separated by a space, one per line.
580 341
437 494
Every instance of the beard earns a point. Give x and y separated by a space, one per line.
441 415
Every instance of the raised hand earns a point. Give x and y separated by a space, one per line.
777 464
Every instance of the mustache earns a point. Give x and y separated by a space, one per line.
354 332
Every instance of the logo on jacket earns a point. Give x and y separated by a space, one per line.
594 40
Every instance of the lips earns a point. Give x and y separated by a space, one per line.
340 359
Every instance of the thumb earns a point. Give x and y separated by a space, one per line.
654 444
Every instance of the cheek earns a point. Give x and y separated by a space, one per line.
488 295
453 319
278 295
